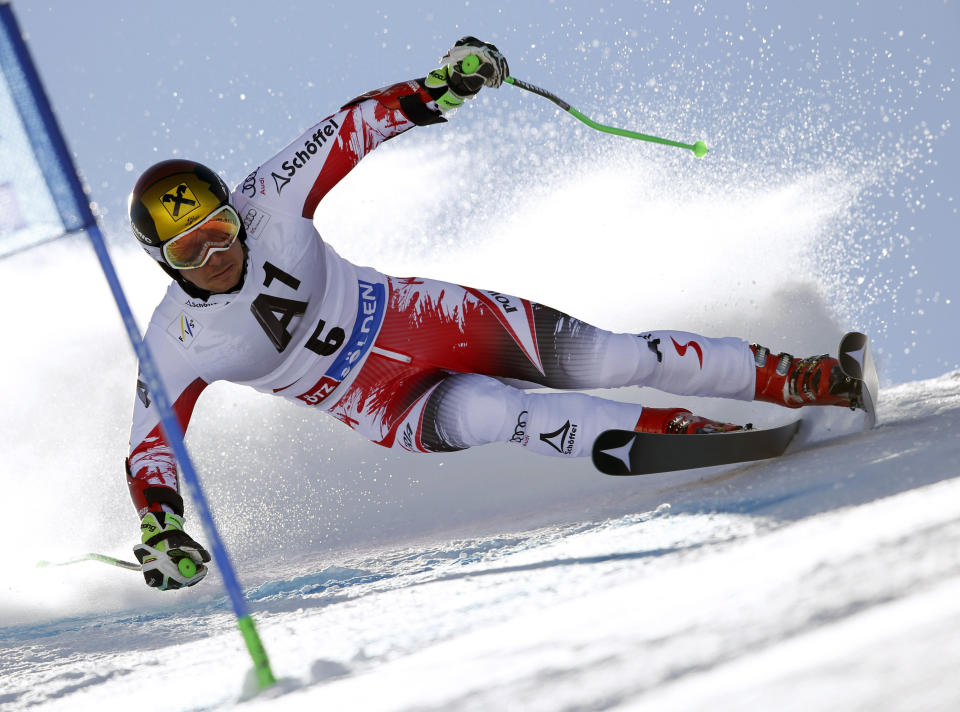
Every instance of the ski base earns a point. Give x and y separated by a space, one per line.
856 361
624 452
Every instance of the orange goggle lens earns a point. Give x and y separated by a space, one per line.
193 248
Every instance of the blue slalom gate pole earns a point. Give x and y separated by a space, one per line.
61 176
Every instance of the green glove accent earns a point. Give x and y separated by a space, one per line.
154 523
438 79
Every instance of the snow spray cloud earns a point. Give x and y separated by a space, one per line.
802 212
842 103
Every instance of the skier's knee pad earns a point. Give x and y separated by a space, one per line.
469 409
690 364
566 424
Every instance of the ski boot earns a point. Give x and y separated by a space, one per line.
680 420
796 382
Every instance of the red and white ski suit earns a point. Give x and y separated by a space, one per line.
414 364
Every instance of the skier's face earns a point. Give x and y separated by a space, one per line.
220 273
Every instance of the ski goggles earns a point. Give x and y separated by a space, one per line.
192 249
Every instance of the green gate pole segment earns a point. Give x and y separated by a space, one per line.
261 664
699 148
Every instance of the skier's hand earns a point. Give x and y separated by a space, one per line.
467 81
467 67
168 556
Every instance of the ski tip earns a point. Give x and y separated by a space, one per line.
612 452
856 360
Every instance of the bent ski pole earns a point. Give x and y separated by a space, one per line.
699 148
186 565
92 557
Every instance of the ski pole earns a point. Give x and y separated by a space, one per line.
92 557
186 565
471 63
699 148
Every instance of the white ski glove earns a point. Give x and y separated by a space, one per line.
169 558
493 67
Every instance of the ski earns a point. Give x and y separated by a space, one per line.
857 362
624 452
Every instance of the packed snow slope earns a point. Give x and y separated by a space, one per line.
792 584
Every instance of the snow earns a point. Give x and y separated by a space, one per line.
791 584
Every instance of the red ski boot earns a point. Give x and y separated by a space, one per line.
796 382
679 420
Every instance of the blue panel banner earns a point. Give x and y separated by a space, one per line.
39 200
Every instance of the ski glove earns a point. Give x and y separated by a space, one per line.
489 68
169 558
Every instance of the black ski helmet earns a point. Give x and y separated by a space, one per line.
168 199
171 197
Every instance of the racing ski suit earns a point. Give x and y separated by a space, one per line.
412 364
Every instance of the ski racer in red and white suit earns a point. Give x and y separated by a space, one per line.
412 364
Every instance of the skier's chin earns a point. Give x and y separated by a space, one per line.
221 274
224 280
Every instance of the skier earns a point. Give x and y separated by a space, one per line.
258 298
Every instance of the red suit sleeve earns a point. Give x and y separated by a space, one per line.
151 466
297 178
